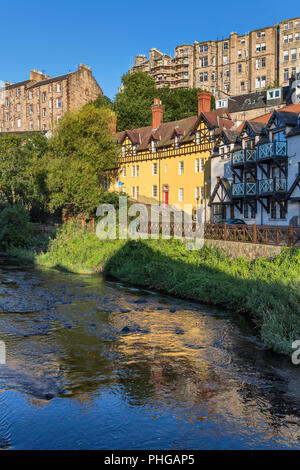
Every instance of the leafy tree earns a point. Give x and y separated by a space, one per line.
22 176
133 104
104 102
15 228
81 150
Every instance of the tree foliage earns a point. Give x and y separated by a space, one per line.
80 151
22 176
15 228
133 104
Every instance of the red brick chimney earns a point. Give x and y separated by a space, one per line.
204 102
157 113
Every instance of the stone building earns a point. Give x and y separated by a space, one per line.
234 65
38 104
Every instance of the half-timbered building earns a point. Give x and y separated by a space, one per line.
167 163
256 171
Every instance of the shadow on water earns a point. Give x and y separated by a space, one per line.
97 364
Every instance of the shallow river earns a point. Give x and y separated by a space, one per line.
92 364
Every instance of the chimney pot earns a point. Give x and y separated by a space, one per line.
157 113
204 102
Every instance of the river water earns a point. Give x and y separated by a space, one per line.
92 364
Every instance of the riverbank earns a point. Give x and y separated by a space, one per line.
268 291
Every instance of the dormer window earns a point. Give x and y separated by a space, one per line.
123 151
176 142
153 149
198 138
134 149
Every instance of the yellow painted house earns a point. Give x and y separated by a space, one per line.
168 163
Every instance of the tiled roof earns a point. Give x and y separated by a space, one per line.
165 132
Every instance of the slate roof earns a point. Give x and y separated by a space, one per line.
51 80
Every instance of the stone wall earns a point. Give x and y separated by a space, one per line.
247 250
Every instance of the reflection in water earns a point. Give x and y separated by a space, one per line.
93 364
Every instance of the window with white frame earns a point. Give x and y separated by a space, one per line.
154 168
154 190
180 168
124 171
197 165
137 170
58 87
201 164
197 194
198 138
180 195
286 56
58 103
133 170
153 149
19 123
202 193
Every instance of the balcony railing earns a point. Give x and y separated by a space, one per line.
272 150
243 156
272 185
247 188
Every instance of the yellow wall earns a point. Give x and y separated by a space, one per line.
167 174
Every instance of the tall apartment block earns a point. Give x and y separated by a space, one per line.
38 104
231 66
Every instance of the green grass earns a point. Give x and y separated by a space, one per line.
267 291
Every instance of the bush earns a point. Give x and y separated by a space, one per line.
15 228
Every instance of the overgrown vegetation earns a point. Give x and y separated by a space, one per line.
266 290
133 104
67 171
15 227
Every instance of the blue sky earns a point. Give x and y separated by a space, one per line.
56 36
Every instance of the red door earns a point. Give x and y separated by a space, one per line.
166 195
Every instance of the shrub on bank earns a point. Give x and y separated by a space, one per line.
15 227
266 290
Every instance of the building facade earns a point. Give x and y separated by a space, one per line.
255 171
39 103
232 66
167 163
